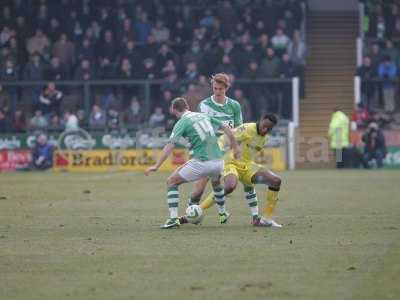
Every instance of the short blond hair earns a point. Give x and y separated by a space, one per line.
221 78
180 104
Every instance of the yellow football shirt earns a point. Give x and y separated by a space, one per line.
250 142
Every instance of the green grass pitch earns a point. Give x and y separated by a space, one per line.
97 236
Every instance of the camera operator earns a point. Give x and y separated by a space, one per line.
375 146
42 153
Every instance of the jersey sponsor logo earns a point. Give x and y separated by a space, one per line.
213 113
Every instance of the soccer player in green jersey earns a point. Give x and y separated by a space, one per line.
229 112
197 131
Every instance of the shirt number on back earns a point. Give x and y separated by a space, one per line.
204 129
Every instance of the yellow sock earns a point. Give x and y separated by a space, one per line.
272 198
208 202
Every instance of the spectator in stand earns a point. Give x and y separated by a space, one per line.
227 15
245 104
55 123
368 88
126 33
133 115
396 29
375 146
4 124
225 48
9 72
194 54
391 51
252 70
263 43
54 30
270 64
142 28
297 54
149 70
50 100
171 83
107 48
84 71
375 55
42 153
42 19
180 33
125 71
55 70
387 72
97 119
5 36
297 50
226 66
286 68
38 44
64 49
34 69
38 121
5 102
157 119
191 73
16 53
86 51
165 54
360 117
106 70
132 53
381 28
5 55
71 121
280 41
244 53
19 122
168 68
166 100
113 118
160 32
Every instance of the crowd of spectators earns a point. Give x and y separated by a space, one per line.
380 69
180 43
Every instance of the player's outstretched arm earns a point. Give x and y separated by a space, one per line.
166 151
232 141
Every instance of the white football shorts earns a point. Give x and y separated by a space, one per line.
195 169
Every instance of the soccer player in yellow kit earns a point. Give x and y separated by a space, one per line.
252 137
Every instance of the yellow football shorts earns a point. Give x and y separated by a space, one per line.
243 171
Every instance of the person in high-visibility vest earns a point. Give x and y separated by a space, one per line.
339 135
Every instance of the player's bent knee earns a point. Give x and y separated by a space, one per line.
277 181
171 181
229 187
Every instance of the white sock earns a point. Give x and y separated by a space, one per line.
252 202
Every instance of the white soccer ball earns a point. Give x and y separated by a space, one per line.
194 214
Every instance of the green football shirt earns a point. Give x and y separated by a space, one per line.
229 113
197 132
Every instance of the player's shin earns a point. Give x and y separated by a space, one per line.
272 199
219 195
208 202
173 201
251 198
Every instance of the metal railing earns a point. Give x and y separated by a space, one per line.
263 94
